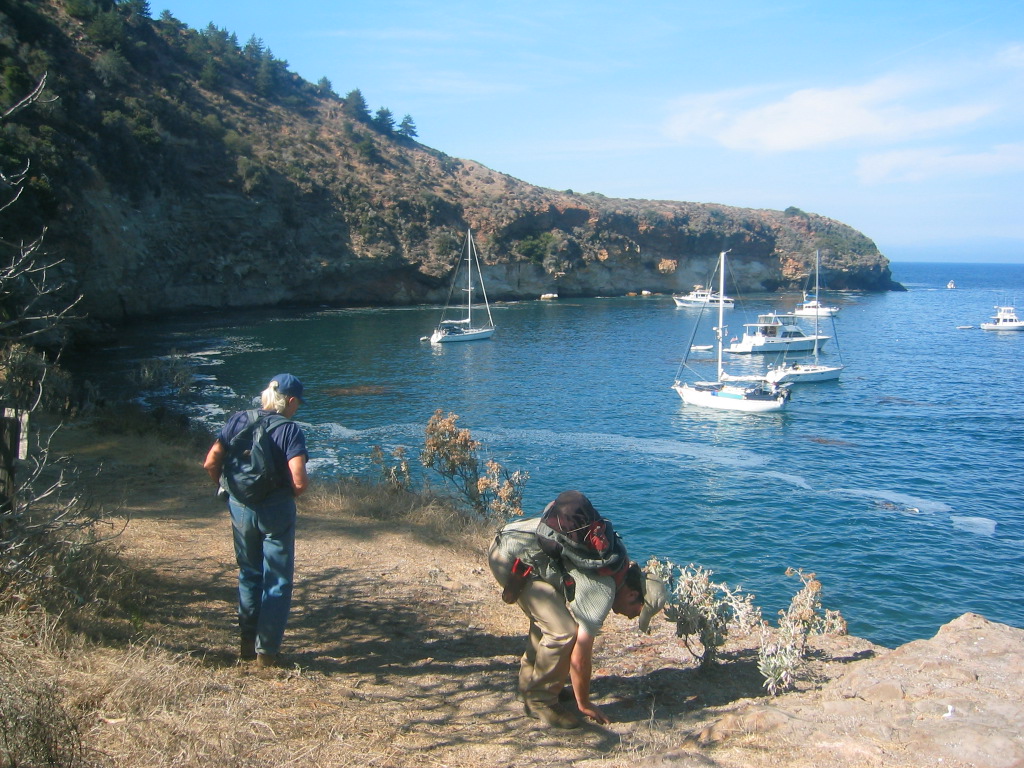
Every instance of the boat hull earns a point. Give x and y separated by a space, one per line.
470 334
799 373
766 345
683 301
815 311
728 397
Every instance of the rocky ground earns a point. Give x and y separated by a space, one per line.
401 653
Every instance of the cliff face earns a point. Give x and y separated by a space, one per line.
178 191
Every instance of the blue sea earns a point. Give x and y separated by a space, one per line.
898 485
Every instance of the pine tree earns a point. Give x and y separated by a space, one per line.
407 128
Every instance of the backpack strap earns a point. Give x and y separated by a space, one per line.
272 420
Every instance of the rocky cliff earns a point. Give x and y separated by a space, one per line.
174 181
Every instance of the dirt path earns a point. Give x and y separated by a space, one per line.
400 653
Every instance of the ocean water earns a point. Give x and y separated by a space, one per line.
898 485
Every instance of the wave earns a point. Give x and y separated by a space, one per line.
900 502
983 526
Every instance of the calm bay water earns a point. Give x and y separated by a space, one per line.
898 485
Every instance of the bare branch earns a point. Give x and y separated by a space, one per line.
32 98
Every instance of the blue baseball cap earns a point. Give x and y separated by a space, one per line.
289 385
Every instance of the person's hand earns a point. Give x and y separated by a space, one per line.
595 714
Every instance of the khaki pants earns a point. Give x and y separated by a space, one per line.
544 667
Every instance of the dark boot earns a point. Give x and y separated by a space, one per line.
247 649
268 660
553 715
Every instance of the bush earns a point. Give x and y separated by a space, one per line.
708 610
491 490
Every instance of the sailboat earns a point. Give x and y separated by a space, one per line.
792 372
752 397
463 328
811 306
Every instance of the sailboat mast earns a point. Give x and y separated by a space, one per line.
469 278
817 306
721 311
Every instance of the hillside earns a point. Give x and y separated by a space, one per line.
179 169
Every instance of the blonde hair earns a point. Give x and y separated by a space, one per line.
272 400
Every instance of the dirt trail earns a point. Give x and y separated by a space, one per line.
400 652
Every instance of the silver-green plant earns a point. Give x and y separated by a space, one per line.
703 609
783 649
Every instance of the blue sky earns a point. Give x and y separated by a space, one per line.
903 119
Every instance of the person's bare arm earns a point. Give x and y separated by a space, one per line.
580 670
300 481
214 463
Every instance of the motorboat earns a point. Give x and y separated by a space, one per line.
775 333
1005 319
812 307
702 297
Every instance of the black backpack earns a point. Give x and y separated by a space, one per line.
249 473
570 529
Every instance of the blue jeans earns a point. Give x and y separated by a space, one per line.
265 550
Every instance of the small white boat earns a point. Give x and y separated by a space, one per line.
702 297
464 329
951 285
549 296
1005 319
811 307
775 333
721 394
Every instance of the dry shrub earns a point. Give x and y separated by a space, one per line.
157 425
37 727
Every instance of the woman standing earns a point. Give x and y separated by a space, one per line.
264 530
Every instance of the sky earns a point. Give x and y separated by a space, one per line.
903 119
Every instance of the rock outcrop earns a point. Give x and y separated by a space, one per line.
954 700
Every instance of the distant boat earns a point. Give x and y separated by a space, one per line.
775 333
811 306
753 397
547 296
951 285
463 328
702 297
1005 320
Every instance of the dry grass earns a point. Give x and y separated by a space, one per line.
399 651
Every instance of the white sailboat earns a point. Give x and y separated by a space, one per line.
463 328
811 306
793 372
751 397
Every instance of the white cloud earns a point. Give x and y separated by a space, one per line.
814 118
915 165
1011 56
